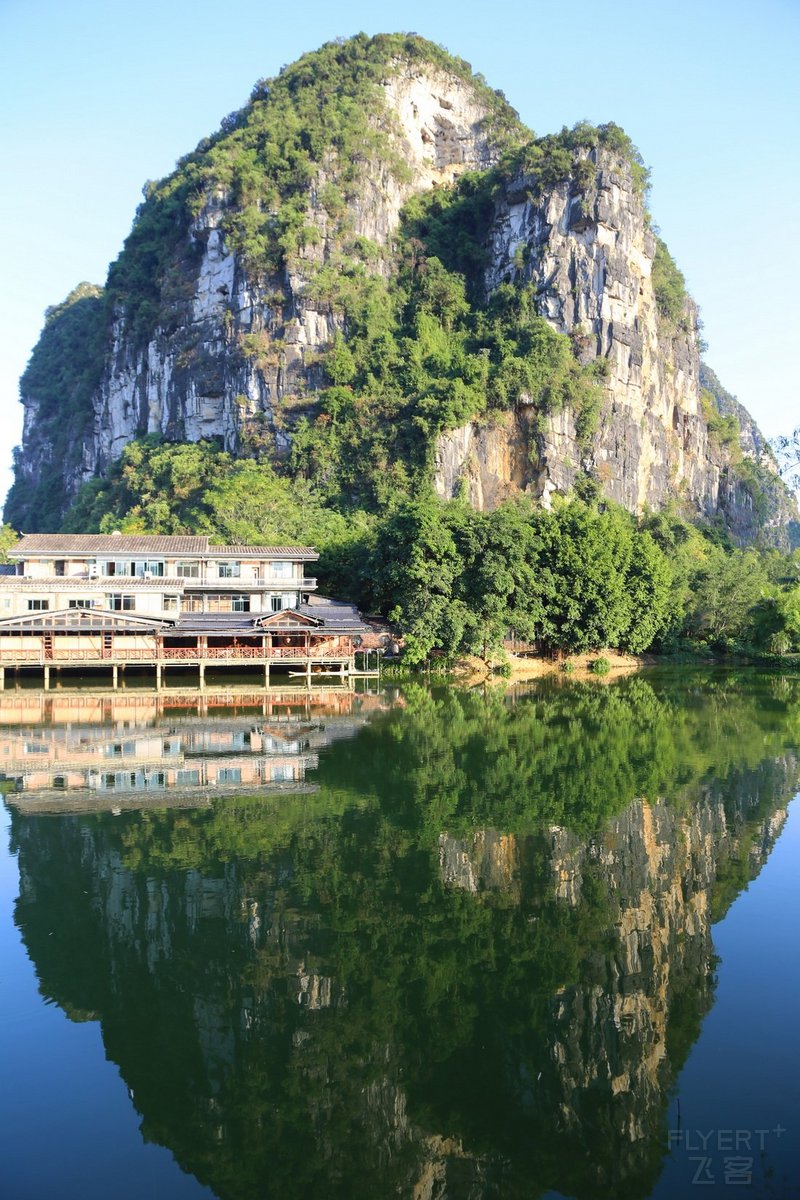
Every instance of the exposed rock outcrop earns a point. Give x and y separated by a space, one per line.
230 348
589 251
236 346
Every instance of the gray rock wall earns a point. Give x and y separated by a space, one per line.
237 356
589 252
234 349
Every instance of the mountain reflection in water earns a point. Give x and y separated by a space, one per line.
468 959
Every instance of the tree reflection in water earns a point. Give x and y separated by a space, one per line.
470 963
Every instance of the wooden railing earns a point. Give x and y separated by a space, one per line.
38 656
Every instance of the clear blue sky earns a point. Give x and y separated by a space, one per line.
97 96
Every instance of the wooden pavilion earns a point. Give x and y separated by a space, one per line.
321 638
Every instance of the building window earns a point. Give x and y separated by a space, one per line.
121 603
187 570
80 604
38 605
229 775
282 570
120 568
220 602
170 604
150 568
283 600
229 570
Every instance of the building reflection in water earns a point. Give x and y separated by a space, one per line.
373 990
73 752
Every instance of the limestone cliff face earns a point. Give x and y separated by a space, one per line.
235 349
589 251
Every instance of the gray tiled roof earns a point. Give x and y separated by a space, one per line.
106 543
85 620
334 618
334 615
212 623
57 544
305 553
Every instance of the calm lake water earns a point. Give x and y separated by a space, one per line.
420 943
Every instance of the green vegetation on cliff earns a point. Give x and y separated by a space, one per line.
61 376
422 349
427 350
424 361
325 120
583 576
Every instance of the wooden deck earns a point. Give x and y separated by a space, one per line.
298 661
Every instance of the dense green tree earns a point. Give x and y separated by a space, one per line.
588 554
502 585
454 580
415 570
725 594
649 583
575 579
8 539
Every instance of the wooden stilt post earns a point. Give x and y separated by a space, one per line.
158 676
115 676
2 678
202 674
46 678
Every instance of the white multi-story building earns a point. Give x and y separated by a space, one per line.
152 575
84 600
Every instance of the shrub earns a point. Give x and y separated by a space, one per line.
669 287
600 666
